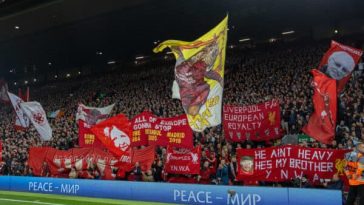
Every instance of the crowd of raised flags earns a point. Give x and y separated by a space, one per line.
199 75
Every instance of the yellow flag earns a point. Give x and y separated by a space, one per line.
199 75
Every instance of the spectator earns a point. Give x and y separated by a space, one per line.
222 173
73 173
148 176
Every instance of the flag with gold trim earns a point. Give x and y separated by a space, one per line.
199 75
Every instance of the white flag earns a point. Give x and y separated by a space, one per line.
38 117
175 90
21 119
93 115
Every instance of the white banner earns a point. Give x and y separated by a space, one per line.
21 119
38 117
93 115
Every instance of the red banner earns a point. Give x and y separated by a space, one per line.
37 156
289 162
339 62
139 124
183 161
85 137
60 162
252 122
145 157
173 131
114 133
322 122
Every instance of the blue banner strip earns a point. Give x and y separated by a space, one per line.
172 193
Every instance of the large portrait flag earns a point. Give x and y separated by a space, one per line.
199 75
339 62
114 133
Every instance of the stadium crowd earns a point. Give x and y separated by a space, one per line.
252 76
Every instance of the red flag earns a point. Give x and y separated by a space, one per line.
27 95
339 62
145 157
322 122
86 138
20 94
37 155
114 133
183 161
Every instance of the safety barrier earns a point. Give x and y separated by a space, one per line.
172 193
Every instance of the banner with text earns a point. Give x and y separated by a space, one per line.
86 138
252 122
289 162
152 130
183 161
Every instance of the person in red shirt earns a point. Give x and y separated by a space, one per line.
108 174
85 174
205 174
45 172
213 162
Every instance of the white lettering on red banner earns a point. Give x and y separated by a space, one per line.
152 130
252 122
288 162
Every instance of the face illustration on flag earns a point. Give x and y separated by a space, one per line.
120 139
93 115
339 65
191 74
246 165
339 62
199 74
115 134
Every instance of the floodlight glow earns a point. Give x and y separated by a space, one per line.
287 32
244 39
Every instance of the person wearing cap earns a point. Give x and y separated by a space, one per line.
354 171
